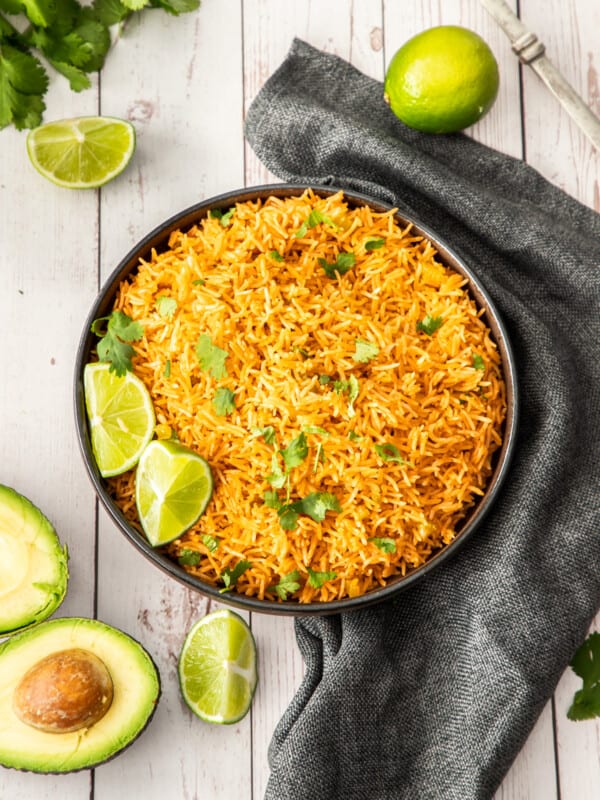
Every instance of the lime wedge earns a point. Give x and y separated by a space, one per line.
121 417
217 667
173 485
83 152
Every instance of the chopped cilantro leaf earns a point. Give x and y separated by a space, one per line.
288 584
324 379
343 263
314 218
288 517
117 330
167 372
272 499
586 665
211 358
384 544
189 558
315 429
276 477
199 282
166 306
276 255
365 351
316 505
230 576
478 362
351 387
429 324
223 217
317 579
23 83
374 243
223 402
267 433
389 452
296 451
354 437
210 542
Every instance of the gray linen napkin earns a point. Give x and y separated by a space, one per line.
433 694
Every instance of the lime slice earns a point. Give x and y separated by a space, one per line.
121 417
217 667
172 488
83 152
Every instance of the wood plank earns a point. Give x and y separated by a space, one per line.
48 277
189 147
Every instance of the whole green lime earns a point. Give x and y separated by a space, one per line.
442 80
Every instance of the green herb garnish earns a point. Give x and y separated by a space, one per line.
211 358
296 451
166 306
586 665
223 217
231 576
276 477
429 324
389 452
314 218
374 243
117 330
351 388
365 351
343 263
478 362
189 558
317 579
210 542
167 372
287 585
267 433
384 544
276 255
223 402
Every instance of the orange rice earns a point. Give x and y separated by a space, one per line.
405 459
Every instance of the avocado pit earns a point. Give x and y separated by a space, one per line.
64 692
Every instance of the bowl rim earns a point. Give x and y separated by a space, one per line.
184 219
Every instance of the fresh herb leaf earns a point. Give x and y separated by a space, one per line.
267 433
288 584
189 558
296 451
199 282
166 306
23 83
288 517
374 243
365 351
478 362
429 324
586 665
176 7
117 330
272 499
343 263
276 255
316 505
351 388
223 217
303 352
324 379
276 477
167 372
223 402
317 579
384 544
210 542
231 576
389 452
354 437
315 429
314 218
211 358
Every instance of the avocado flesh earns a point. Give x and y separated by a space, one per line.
136 687
33 564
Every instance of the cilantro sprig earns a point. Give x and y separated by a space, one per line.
212 358
342 264
231 576
429 324
586 665
315 218
72 38
116 332
288 584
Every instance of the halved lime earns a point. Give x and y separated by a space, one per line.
217 667
121 417
83 152
173 485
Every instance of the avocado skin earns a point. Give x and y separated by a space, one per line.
14 502
73 623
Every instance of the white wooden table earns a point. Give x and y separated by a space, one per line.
185 83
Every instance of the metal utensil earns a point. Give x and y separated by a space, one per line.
532 52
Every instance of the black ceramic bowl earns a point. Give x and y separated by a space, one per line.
158 239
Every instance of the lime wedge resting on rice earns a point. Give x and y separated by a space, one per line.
121 417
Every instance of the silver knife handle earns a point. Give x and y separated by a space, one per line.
528 47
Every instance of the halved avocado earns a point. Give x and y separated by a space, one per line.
74 692
33 564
